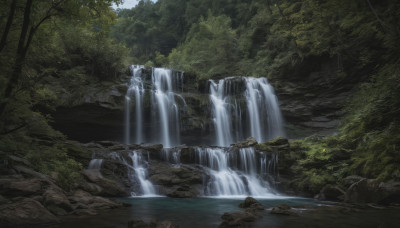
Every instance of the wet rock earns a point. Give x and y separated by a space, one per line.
250 202
249 142
283 209
136 223
25 212
182 194
3 200
330 192
237 219
180 182
166 224
107 186
373 191
278 141
106 143
364 191
187 155
152 146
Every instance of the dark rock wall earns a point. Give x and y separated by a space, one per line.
311 97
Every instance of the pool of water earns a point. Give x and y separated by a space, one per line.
207 212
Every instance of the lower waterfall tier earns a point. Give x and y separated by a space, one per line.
149 170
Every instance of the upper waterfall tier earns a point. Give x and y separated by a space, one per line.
160 108
164 126
244 107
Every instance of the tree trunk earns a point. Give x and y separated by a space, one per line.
21 54
8 25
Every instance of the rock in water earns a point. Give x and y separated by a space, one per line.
283 209
137 223
237 219
250 202
373 191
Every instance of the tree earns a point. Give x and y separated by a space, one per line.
35 14
211 48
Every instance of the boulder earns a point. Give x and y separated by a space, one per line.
103 186
87 203
330 192
136 223
237 219
25 212
23 187
250 202
56 201
364 191
373 191
278 141
283 209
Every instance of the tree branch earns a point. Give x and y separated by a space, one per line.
376 15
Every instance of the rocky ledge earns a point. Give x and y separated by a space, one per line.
28 197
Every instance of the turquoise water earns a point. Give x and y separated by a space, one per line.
207 212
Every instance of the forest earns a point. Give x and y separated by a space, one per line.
52 51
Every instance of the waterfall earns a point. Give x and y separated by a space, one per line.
137 173
220 112
139 165
135 88
233 174
262 110
165 124
95 164
164 105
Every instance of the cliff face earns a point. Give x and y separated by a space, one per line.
311 99
312 95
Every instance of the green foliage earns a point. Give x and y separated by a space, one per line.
371 127
99 56
324 161
210 48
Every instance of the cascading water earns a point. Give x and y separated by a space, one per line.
140 166
221 114
262 110
95 163
164 107
165 124
240 107
137 173
233 174
135 88
95 166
